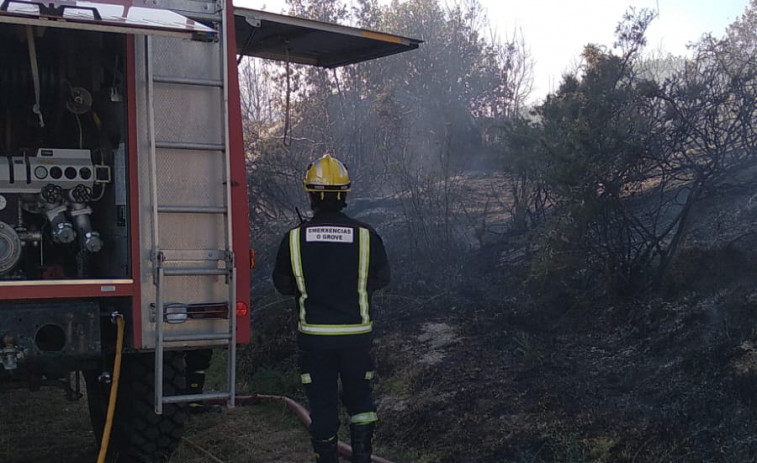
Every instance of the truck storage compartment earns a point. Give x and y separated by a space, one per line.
63 179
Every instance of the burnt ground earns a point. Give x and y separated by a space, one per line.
501 371
647 383
476 366
485 367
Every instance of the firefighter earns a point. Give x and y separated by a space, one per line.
332 264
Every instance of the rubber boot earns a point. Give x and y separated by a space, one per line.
195 385
361 436
326 450
195 382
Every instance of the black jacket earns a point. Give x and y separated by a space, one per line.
332 264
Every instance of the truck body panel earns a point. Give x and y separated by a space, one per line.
187 117
190 170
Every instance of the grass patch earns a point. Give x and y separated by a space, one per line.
261 433
270 380
283 379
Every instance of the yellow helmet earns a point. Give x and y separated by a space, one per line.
327 174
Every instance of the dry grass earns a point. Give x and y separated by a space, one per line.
263 433
43 427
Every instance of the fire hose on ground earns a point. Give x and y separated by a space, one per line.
298 410
303 415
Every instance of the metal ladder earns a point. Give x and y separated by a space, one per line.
177 263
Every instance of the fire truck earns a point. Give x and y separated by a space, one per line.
124 225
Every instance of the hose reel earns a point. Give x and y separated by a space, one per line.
10 248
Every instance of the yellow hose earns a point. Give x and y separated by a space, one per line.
113 390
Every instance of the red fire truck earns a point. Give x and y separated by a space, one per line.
123 196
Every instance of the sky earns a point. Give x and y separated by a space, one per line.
555 31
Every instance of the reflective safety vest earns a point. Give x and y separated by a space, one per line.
330 264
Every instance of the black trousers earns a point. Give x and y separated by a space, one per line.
320 370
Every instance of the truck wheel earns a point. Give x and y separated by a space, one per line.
138 434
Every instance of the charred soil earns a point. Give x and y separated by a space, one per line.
494 369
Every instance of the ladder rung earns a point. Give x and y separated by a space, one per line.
193 209
188 81
200 10
197 337
174 272
178 255
172 399
190 146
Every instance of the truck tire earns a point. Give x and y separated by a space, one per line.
138 434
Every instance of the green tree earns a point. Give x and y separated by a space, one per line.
598 139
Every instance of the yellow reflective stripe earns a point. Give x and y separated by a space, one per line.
364 418
299 276
335 329
362 280
305 378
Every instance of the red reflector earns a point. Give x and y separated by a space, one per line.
242 309
252 259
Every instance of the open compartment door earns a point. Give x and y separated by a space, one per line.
121 16
286 38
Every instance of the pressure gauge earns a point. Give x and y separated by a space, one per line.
40 172
3 202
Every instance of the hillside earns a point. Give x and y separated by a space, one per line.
491 369
477 366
